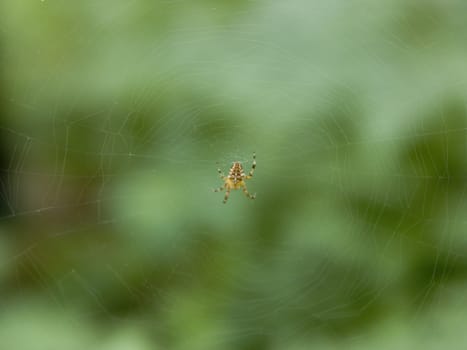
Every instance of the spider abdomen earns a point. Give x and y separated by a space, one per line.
236 173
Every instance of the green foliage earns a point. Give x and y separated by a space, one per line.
114 114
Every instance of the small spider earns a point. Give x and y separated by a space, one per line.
236 179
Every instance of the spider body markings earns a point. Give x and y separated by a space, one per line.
236 179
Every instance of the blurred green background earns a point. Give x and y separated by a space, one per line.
113 115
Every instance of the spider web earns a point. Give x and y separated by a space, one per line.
114 117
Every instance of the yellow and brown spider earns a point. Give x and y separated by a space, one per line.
236 179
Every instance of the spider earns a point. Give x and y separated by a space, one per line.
236 179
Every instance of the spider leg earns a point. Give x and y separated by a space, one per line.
251 196
221 174
227 194
253 167
220 189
